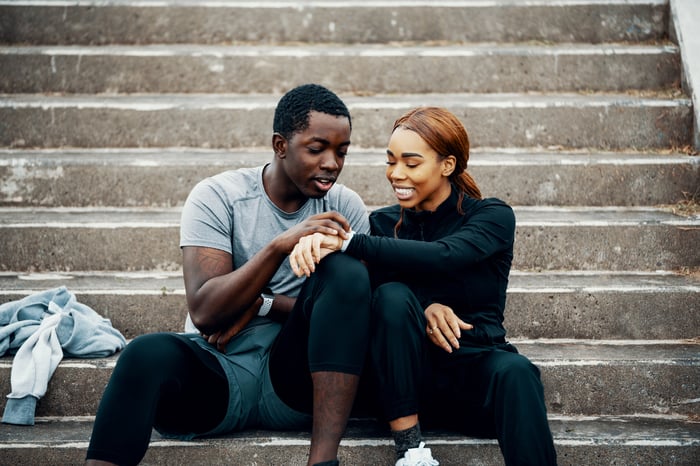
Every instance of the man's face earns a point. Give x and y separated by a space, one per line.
314 157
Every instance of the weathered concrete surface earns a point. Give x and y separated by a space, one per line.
599 305
602 121
611 377
685 17
358 69
578 440
163 177
173 21
39 239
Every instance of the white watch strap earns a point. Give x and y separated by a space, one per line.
346 242
266 305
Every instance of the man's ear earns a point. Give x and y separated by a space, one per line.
279 145
448 165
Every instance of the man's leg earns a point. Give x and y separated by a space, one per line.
318 357
158 379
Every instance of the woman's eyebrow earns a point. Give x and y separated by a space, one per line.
405 154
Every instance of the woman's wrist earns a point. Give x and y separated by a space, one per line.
346 241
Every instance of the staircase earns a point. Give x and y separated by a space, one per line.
110 112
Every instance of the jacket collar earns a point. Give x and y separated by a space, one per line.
448 207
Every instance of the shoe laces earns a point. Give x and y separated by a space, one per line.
419 456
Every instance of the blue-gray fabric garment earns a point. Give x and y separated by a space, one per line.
39 329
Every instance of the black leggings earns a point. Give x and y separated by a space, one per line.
154 377
165 380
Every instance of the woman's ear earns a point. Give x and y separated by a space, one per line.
448 165
279 145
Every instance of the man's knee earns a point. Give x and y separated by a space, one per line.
147 353
344 274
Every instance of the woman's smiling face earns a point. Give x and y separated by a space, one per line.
417 173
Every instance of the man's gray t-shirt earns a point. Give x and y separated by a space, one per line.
231 212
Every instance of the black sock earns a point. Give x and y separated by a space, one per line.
328 463
405 439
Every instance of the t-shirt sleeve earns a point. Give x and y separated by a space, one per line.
206 218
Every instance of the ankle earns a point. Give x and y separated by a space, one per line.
406 439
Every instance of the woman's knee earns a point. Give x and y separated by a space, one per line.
518 373
394 305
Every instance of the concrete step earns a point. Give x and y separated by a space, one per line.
163 177
580 377
595 305
361 68
190 21
607 121
578 440
573 238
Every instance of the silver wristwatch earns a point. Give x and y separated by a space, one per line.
266 305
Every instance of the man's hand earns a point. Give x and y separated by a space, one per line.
310 250
328 223
444 327
221 338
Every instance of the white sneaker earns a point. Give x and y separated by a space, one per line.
417 457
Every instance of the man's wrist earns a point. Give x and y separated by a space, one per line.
266 304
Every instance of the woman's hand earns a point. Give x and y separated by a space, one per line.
444 328
310 250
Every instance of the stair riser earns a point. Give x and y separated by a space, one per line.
566 124
603 315
205 71
28 182
622 315
577 247
106 24
571 388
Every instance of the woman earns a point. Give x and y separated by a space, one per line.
439 262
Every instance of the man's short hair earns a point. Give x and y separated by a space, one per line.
292 112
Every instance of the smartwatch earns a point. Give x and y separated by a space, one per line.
267 303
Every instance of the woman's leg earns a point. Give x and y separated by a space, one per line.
318 357
496 394
515 396
158 380
397 352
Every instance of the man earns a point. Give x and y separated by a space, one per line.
238 366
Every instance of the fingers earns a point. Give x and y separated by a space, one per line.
445 332
309 251
330 223
443 337
340 220
301 258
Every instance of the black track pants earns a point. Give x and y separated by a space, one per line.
493 393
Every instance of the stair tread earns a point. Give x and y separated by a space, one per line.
657 430
372 50
113 217
159 282
542 352
164 101
482 156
